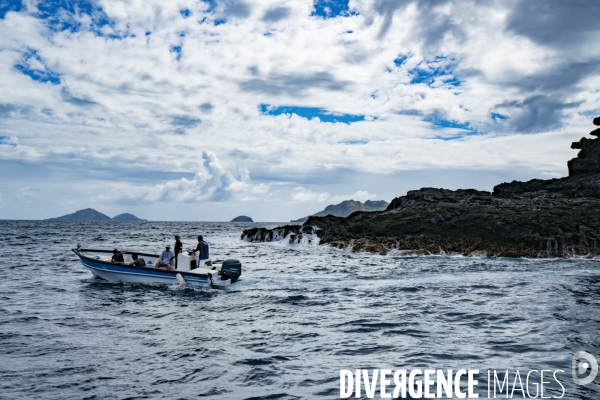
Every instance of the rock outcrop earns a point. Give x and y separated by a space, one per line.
538 218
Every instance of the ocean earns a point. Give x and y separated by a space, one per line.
300 315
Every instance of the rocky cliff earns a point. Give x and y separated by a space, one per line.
538 218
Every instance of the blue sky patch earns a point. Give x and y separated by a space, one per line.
28 67
444 123
499 117
400 60
441 124
65 15
10 5
5 140
331 8
185 13
220 21
212 4
440 69
177 50
310 113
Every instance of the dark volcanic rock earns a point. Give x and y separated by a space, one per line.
432 221
538 218
242 218
588 159
291 233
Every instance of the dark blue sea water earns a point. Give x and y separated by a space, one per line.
301 314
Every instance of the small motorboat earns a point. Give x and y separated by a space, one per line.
190 270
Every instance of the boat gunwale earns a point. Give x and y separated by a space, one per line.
169 271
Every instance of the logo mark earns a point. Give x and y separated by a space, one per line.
581 367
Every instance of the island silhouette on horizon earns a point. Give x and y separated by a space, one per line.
89 214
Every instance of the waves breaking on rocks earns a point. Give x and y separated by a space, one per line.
290 234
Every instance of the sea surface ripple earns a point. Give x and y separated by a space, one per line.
300 314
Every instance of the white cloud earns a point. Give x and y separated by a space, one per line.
302 195
211 183
361 195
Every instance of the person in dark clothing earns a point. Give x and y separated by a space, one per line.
137 262
117 258
202 247
178 248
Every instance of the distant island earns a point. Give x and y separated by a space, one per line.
89 214
242 218
127 217
346 208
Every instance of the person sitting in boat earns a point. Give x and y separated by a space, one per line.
165 258
202 247
117 258
137 262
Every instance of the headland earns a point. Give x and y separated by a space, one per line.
538 218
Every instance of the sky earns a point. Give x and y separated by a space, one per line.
205 110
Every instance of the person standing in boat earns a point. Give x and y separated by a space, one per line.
166 257
178 248
202 247
117 258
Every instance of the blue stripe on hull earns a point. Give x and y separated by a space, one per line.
118 273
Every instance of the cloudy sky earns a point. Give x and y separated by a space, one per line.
205 110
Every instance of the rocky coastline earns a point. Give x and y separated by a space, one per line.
537 219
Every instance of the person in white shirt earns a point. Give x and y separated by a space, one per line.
166 257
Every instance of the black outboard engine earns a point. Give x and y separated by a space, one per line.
231 269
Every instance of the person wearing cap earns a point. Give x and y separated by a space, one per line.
165 258
117 258
178 248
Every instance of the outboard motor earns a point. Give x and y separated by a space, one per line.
231 269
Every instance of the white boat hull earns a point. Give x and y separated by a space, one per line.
100 267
